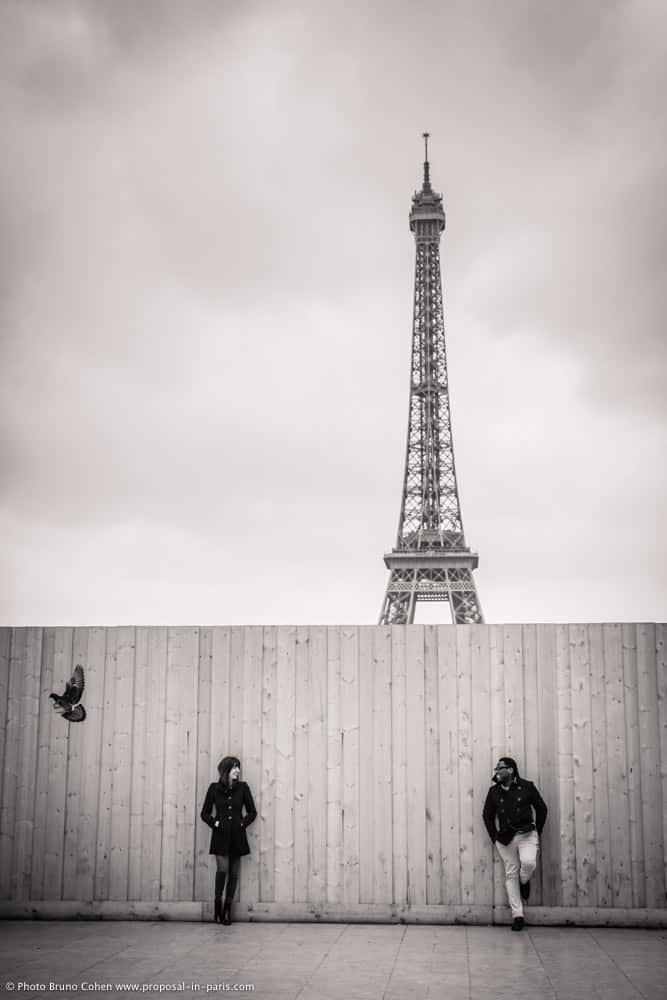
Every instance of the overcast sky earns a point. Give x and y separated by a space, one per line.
206 308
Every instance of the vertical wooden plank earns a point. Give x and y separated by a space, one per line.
547 730
5 652
382 797
77 739
334 824
449 765
301 740
464 699
25 789
252 753
171 743
481 762
649 736
349 677
498 748
203 875
530 704
57 778
236 681
140 751
604 893
633 752
416 766
399 766
123 708
568 857
532 736
27 764
584 813
91 748
180 807
317 768
151 866
236 706
514 717
221 696
46 714
432 752
17 662
188 811
267 812
661 659
367 847
619 815
285 721
103 851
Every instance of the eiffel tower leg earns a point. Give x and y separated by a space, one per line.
466 609
398 607
413 602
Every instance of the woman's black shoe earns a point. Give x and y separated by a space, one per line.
227 913
517 924
217 911
524 889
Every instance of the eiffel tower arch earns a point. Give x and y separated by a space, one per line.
430 561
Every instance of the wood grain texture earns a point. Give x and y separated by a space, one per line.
617 777
547 748
251 754
316 750
369 752
349 676
334 763
58 753
633 758
46 715
12 757
25 785
151 868
75 765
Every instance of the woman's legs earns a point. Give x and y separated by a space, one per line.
232 877
232 881
222 865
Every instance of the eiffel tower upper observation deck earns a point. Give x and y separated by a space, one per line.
431 561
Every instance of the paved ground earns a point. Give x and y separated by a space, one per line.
332 961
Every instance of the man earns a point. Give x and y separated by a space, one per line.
508 816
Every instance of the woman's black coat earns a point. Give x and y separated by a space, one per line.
226 805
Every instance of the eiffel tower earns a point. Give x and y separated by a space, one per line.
431 561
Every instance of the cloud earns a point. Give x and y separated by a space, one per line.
207 285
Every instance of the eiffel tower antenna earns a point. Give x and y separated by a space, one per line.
430 561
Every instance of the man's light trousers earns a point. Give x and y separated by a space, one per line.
520 859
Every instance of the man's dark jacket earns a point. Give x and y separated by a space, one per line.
226 805
513 808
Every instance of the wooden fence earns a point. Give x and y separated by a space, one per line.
369 750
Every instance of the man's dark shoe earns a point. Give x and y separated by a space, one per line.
524 889
517 924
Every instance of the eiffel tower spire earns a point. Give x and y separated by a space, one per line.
430 561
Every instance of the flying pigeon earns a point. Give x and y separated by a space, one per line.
67 703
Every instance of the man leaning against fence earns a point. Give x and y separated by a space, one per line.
514 815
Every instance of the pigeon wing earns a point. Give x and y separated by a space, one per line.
74 687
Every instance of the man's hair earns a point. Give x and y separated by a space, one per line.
510 762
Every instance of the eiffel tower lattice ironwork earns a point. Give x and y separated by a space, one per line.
431 561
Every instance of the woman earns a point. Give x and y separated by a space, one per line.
223 811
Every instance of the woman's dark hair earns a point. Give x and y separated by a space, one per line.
225 766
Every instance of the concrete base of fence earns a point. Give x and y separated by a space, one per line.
368 913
